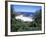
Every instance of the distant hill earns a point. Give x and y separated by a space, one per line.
25 13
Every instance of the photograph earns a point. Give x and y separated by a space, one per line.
25 18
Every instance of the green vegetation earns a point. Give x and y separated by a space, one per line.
18 25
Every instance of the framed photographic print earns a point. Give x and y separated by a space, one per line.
24 18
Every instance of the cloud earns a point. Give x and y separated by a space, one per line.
24 18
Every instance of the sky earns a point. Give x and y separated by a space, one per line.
25 8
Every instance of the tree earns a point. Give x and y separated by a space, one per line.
38 18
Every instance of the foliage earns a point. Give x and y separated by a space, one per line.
19 25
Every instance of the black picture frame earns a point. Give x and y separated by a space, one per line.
6 18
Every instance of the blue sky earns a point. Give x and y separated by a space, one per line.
25 8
